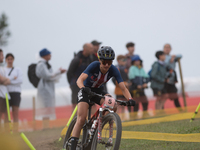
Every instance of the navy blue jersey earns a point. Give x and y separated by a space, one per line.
96 79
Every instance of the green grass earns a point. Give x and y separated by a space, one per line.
157 145
177 127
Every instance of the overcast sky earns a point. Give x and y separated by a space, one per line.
63 26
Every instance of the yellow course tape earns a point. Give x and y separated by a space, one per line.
176 117
195 137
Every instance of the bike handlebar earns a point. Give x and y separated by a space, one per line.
123 103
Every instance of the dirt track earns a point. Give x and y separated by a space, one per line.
45 139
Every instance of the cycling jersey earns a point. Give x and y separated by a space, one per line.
96 79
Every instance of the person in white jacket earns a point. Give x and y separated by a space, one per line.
45 102
3 89
14 88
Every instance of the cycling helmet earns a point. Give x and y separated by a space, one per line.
106 52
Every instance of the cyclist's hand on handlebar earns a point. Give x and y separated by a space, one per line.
87 90
131 102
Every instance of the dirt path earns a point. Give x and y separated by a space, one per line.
45 139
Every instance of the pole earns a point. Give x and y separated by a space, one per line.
196 111
8 111
27 141
34 123
182 84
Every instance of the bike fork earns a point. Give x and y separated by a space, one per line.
100 124
110 131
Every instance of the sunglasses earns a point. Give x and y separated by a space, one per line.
104 62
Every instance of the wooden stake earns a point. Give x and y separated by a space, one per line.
34 123
182 84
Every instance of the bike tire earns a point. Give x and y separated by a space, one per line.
117 136
82 137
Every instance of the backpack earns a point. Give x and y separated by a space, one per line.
149 73
32 75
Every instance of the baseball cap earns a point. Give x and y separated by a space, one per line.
95 42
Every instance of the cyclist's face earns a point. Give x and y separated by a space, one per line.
105 64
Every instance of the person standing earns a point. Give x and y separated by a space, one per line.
158 78
45 102
76 67
139 79
170 85
3 89
121 66
131 49
14 88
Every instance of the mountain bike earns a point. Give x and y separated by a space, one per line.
99 131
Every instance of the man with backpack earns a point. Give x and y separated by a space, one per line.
45 102
76 67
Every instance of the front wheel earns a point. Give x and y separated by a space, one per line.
111 134
82 138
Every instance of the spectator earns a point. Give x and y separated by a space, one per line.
170 85
14 88
45 102
131 48
139 79
121 60
96 45
158 75
3 89
76 67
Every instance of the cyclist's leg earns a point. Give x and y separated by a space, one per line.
81 116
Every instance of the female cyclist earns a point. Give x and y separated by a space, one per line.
92 79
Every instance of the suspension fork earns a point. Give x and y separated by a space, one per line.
100 124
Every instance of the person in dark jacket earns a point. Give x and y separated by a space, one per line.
76 67
158 80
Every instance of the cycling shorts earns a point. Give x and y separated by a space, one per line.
84 97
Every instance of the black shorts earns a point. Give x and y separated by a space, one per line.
84 97
158 92
74 89
2 105
171 91
170 88
15 99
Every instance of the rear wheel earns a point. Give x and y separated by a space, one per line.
82 139
108 143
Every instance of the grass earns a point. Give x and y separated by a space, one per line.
177 127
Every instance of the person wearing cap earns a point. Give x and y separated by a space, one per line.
158 80
96 45
45 102
139 79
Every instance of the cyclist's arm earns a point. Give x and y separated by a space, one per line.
125 91
81 79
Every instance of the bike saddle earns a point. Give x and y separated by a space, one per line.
91 103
